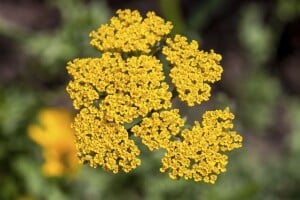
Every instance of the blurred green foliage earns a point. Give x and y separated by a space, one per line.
258 101
263 169
255 36
287 10
70 39
13 109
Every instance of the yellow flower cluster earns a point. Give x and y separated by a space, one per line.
56 137
104 144
130 33
111 91
131 87
157 130
124 95
192 70
199 156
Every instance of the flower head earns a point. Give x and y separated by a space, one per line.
124 94
200 154
56 137
102 143
128 32
192 70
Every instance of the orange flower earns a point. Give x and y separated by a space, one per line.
55 135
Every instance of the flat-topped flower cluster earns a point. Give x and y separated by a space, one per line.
123 94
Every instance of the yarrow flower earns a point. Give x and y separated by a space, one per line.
192 70
54 134
123 95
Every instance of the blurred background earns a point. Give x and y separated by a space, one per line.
260 45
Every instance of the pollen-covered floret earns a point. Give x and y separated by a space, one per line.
191 70
128 32
199 155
